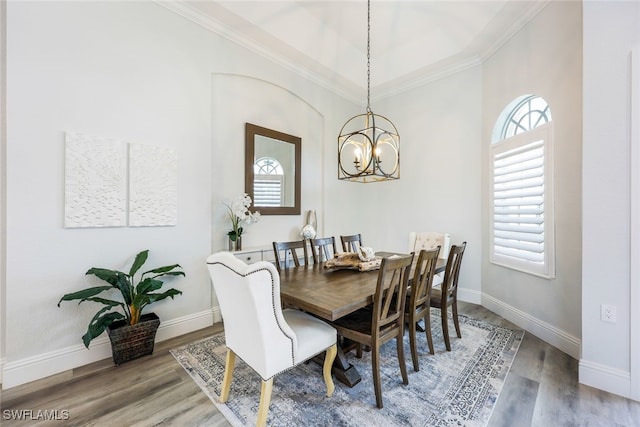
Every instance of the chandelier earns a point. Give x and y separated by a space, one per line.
368 144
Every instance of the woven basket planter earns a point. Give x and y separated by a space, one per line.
129 342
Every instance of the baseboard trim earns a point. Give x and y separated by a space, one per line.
605 378
54 362
469 295
543 330
1 368
217 316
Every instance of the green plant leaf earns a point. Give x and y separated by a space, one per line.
109 276
141 258
172 273
141 300
159 297
165 270
99 323
124 284
84 294
147 285
105 301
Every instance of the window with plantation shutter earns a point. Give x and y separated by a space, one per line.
522 190
267 182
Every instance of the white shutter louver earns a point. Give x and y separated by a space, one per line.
267 190
518 194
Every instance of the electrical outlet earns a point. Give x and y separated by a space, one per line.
608 313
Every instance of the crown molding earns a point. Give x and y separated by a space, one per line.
425 76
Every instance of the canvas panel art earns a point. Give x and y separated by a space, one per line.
95 181
153 186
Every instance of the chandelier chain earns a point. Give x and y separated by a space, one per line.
368 55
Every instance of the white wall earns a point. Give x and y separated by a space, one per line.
611 30
634 300
545 59
138 71
3 146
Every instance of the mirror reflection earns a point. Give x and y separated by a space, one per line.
272 170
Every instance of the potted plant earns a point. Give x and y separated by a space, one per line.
131 333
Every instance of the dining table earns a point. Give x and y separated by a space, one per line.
331 294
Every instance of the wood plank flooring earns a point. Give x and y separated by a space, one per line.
541 390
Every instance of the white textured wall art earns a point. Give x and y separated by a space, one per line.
153 186
95 181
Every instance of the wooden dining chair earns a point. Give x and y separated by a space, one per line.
323 249
418 304
351 243
287 254
446 295
383 321
267 338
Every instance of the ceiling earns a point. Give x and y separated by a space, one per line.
412 41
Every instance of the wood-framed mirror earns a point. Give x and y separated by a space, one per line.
272 170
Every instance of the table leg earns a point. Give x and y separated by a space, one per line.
344 371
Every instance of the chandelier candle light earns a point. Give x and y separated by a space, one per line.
368 144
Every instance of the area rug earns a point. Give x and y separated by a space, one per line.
452 388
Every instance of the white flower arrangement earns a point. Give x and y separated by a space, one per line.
239 213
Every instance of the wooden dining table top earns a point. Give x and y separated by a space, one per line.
328 293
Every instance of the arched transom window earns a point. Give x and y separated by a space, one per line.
267 166
528 113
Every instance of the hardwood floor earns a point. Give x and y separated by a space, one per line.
540 390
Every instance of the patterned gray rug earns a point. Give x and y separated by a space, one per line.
456 388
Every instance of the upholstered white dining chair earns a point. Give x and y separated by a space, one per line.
267 338
430 240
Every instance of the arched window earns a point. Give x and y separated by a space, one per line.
522 227
268 181
524 114
267 166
